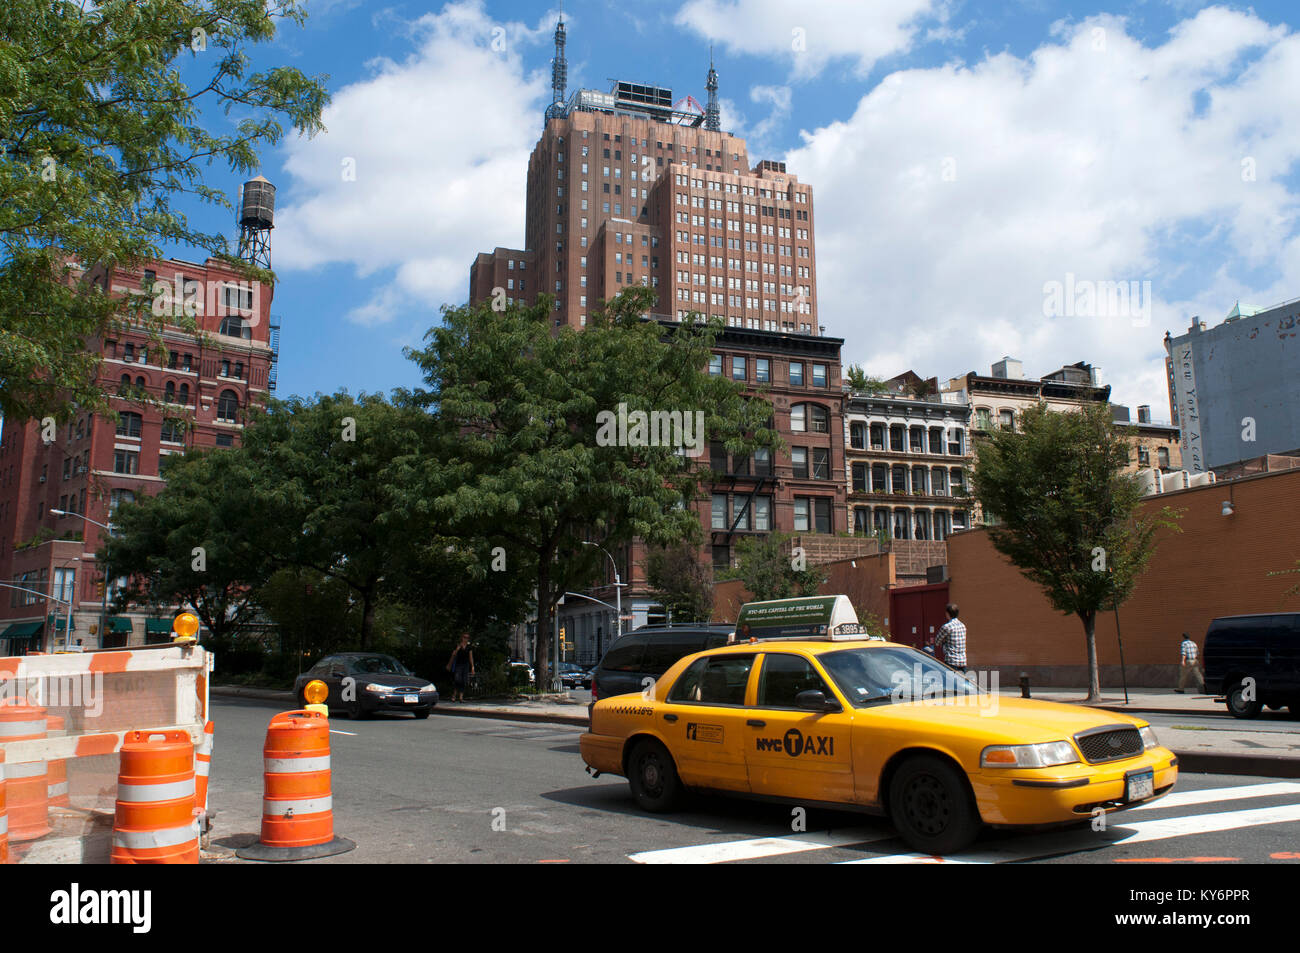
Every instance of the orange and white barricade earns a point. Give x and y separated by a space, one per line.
57 772
155 821
4 814
297 806
27 796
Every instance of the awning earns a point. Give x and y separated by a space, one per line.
60 622
21 630
119 623
158 626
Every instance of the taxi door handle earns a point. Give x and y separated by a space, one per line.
756 723
668 717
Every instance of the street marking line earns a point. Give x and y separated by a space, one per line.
757 847
1206 795
1078 842
335 731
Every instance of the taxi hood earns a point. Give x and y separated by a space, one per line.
1002 718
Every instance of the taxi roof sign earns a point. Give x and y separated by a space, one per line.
814 617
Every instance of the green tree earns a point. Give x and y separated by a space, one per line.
196 544
862 383
1066 514
530 456
101 131
770 572
680 581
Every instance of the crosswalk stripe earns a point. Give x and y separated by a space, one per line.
1076 841
757 847
1209 795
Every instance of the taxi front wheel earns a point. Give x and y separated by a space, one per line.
653 777
930 804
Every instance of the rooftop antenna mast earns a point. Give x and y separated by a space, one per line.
712 114
559 72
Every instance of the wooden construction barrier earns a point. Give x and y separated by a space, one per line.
4 815
155 821
202 766
298 806
27 795
57 773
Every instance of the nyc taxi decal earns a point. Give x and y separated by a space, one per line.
796 745
632 710
708 733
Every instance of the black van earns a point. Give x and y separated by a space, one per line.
650 651
1254 660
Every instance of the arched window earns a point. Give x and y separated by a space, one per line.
125 385
228 406
139 382
185 393
169 392
862 519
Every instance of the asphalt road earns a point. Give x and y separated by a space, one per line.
477 790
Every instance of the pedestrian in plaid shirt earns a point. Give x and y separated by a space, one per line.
951 639
1190 668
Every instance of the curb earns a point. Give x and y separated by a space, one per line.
239 691
537 716
1263 766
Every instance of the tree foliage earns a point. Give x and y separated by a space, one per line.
1066 514
768 571
102 130
862 383
680 581
519 404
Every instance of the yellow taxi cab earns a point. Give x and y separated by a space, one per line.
852 721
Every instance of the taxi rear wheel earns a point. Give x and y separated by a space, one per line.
653 777
930 804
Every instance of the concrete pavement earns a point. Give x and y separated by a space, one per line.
1235 746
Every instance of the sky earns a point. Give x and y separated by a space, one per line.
978 168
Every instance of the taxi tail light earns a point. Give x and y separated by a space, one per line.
595 695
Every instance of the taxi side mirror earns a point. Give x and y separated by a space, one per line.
816 701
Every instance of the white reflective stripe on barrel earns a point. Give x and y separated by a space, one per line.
56 789
9 730
205 746
4 824
33 769
315 805
142 840
136 793
295 765
201 768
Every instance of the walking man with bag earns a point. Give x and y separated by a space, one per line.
1190 667
951 639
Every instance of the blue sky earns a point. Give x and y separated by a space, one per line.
966 158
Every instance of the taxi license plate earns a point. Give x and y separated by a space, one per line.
412 699
1141 784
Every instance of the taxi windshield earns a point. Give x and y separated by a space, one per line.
872 676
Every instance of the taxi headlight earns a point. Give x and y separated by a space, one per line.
1046 755
376 687
1149 740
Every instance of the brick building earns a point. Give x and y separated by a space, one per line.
192 391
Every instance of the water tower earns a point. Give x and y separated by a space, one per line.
256 219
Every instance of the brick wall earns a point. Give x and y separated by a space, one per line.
1215 566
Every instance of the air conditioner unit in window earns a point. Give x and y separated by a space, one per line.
42 479
81 469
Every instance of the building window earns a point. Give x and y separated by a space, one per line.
126 461
812 514
796 373
715 365
184 394
821 460
232 325
897 438
1162 457
877 436
1006 420
762 462
955 443
859 478
228 406
719 511
819 377
738 368
1144 457
799 418
173 431
225 440
763 513
129 424
983 418
799 461
169 392
762 370
858 436
862 520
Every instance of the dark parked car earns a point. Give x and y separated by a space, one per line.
650 651
361 683
1254 660
573 675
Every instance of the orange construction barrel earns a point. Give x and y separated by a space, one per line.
155 821
297 806
28 793
4 816
55 727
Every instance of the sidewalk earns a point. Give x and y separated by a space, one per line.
1235 747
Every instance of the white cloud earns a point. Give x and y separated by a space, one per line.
758 135
952 195
421 165
810 35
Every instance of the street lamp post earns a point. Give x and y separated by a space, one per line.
44 595
618 586
103 608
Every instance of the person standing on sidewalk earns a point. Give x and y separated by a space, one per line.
461 666
951 639
1190 667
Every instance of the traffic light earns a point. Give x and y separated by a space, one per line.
99 589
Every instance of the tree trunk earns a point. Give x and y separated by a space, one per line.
367 617
542 663
1094 679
